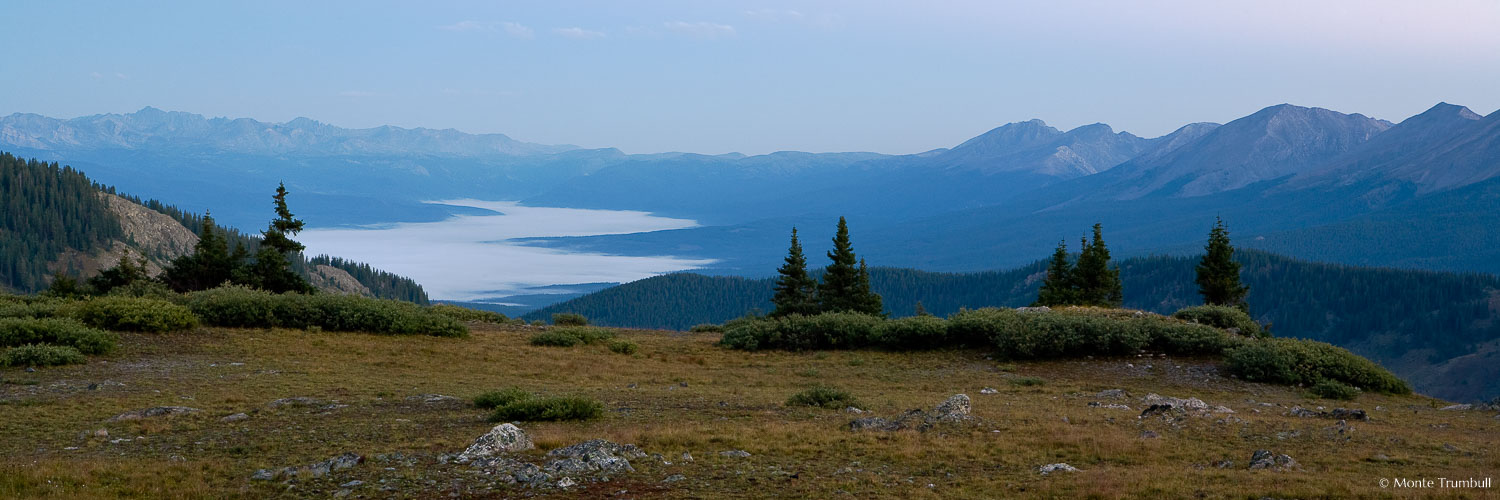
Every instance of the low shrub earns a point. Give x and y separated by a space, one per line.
823 396
624 347
553 338
537 409
42 355
707 328
570 336
840 330
150 289
569 319
916 332
243 307
1223 317
1329 389
30 307
16 332
494 399
1307 362
467 314
138 314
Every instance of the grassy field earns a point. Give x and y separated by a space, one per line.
680 393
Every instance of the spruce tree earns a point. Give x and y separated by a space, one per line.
272 269
795 290
1218 273
124 273
209 265
846 283
1058 288
1098 284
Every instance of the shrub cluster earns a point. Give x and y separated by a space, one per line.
41 355
834 330
494 399
624 347
1334 390
570 336
137 314
30 307
1224 317
706 328
466 314
569 319
825 397
242 307
1308 363
539 408
15 332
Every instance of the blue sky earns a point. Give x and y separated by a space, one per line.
754 77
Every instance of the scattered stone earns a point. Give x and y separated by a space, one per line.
159 411
1347 414
1224 464
317 470
1148 434
687 457
1264 459
674 478
1157 409
352 484
295 402
235 418
852 409
31 369
1190 404
566 483
1050 468
989 390
1298 411
956 408
344 493
432 399
735 454
594 455
503 438
1111 406
1458 407
1113 393
1450 448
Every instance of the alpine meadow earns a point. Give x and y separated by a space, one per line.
750 250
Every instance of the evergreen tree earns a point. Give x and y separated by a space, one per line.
209 265
1097 283
123 274
64 287
1058 289
272 269
846 283
1218 272
795 290
919 310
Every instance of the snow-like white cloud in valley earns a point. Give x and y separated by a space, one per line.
471 257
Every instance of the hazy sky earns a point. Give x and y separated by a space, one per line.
754 77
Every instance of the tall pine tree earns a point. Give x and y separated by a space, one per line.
1058 288
846 282
209 265
1219 274
1098 284
272 269
795 290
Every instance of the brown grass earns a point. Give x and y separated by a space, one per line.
732 400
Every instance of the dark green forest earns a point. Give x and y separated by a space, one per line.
1394 310
47 209
51 208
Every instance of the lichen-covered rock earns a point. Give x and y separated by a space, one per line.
503 438
873 424
295 402
159 411
1347 414
316 470
593 456
955 408
1264 459
1189 404
1113 393
1050 468
235 418
735 454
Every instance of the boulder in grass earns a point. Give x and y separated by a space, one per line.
503 438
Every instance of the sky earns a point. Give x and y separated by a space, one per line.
750 77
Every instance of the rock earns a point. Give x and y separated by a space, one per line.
235 418
1050 468
101 433
1037 309
265 475
1449 447
674 478
1380 457
687 457
954 409
503 438
337 463
352 484
1458 407
594 455
1222 409
1149 434
31 369
1112 406
852 409
1157 409
433 399
159 411
298 401
1190 404
1264 459
988 390
1224 464
1347 414
735 454
1298 411
1113 393
566 483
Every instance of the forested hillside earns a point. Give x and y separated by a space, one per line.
50 209
1384 314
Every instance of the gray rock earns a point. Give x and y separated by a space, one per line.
295 402
873 424
674 478
503 438
1458 407
1050 468
1158 409
593 456
735 454
1111 406
1298 411
687 457
344 493
1189 404
989 390
1224 464
566 483
1347 414
1113 393
1148 434
235 418
266 474
1264 459
1037 309
352 484
320 469
159 411
852 409
955 408
433 399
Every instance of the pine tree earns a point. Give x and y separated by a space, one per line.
272 269
846 281
919 310
1058 289
124 273
795 290
209 265
1218 273
1097 283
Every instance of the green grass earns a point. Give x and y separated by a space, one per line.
491 400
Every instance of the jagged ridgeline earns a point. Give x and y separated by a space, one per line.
1433 328
55 216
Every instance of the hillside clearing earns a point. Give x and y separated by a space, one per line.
371 395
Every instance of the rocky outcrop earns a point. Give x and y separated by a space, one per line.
1264 459
334 280
159 411
503 438
954 410
317 470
